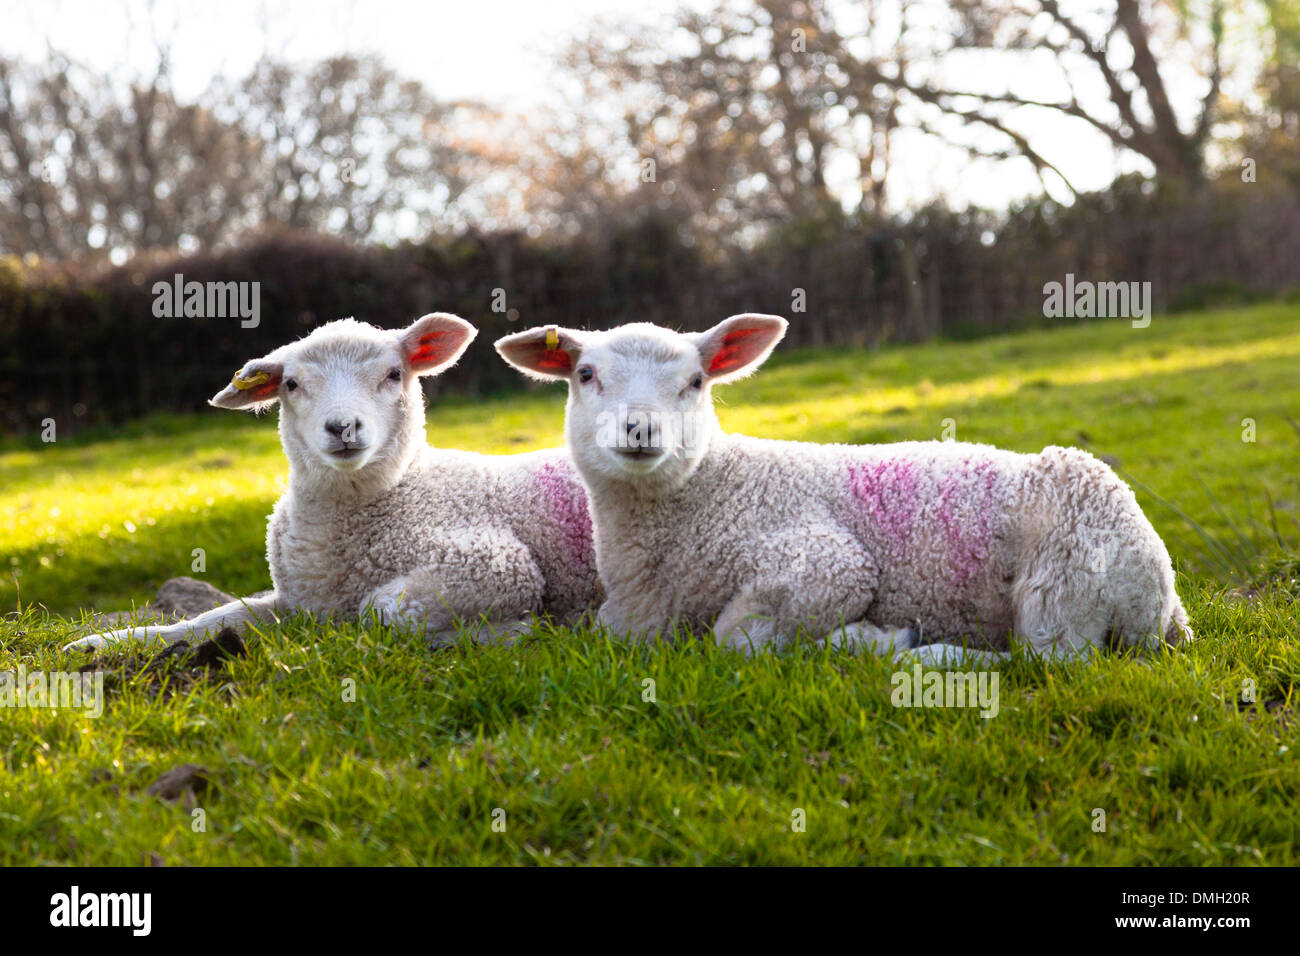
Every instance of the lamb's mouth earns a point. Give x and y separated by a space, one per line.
639 461
640 454
347 452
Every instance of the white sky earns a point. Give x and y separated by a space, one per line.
495 50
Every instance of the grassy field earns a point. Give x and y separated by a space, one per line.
791 758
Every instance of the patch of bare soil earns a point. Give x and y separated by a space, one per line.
176 668
183 784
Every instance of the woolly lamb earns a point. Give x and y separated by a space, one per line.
877 546
374 517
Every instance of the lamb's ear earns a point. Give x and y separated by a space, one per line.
736 346
548 352
253 387
435 341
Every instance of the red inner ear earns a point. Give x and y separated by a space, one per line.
431 348
735 351
266 389
553 360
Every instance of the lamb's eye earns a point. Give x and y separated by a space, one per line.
290 385
586 373
394 374
698 380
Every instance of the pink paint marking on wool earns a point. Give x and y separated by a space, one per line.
966 513
886 488
569 504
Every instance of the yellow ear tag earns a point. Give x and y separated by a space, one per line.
552 338
254 380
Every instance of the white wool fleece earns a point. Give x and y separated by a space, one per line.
374 517
877 546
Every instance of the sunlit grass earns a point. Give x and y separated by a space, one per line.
1191 753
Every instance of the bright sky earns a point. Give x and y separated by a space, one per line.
495 50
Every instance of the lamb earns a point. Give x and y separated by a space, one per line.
375 518
884 547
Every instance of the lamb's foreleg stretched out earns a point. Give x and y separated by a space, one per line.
264 608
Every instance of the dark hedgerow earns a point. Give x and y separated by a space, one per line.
83 346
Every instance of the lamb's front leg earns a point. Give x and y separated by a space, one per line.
860 636
636 619
810 583
949 656
487 580
263 608
749 622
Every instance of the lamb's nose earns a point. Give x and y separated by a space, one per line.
345 428
640 430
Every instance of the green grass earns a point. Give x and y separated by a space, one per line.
556 733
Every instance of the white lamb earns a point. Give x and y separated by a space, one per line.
374 517
878 546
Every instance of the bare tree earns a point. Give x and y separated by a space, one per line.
89 165
347 146
733 114
745 106
1117 46
85 168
